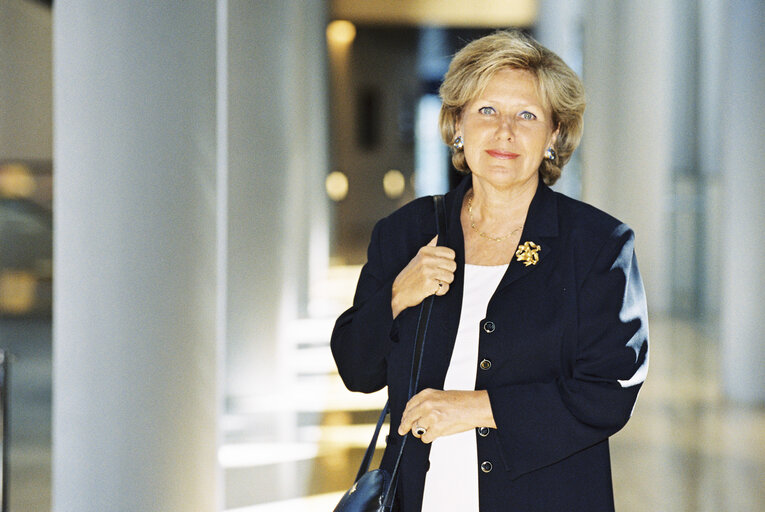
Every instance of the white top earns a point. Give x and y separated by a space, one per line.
452 480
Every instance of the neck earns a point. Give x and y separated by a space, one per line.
492 205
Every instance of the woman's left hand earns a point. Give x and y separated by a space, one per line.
442 413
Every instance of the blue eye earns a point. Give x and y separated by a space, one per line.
528 116
486 110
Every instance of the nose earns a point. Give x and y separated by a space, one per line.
505 127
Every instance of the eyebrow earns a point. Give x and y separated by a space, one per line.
497 100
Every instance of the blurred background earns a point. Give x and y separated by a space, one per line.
187 191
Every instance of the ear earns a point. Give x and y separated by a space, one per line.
554 137
458 122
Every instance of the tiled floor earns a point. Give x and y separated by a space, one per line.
685 450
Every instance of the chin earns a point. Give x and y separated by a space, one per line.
505 178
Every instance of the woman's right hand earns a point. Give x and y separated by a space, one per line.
430 272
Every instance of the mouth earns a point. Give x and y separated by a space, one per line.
503 155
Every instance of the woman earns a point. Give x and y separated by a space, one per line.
537 343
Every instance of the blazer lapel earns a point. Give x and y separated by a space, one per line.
452 301
540 228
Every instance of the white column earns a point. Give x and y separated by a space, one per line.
277 211
135 392
628 146
743 164
559 28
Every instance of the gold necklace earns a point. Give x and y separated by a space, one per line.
481 233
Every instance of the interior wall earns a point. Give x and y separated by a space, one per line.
26 90
373 112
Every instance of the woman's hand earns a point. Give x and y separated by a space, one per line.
442 413
430 272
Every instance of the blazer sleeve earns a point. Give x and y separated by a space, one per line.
362 336
539 424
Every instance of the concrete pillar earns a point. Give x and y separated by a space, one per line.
743 165
277 211
628 147
135 364
712 86
559 27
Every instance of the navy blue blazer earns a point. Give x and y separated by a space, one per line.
566 339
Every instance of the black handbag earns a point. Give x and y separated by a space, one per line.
374 491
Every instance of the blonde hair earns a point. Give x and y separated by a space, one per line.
475 64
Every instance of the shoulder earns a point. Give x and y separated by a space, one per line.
410 212
408 220
398 236
587 222
595 238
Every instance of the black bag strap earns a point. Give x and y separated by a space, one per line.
422 327
367 460
427 304
419 346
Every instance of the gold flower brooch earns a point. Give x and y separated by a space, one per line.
528 253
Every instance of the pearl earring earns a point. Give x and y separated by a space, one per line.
458 143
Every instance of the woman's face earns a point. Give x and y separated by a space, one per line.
506 130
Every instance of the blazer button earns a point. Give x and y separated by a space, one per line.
485 364
486 466
483 431
489 327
